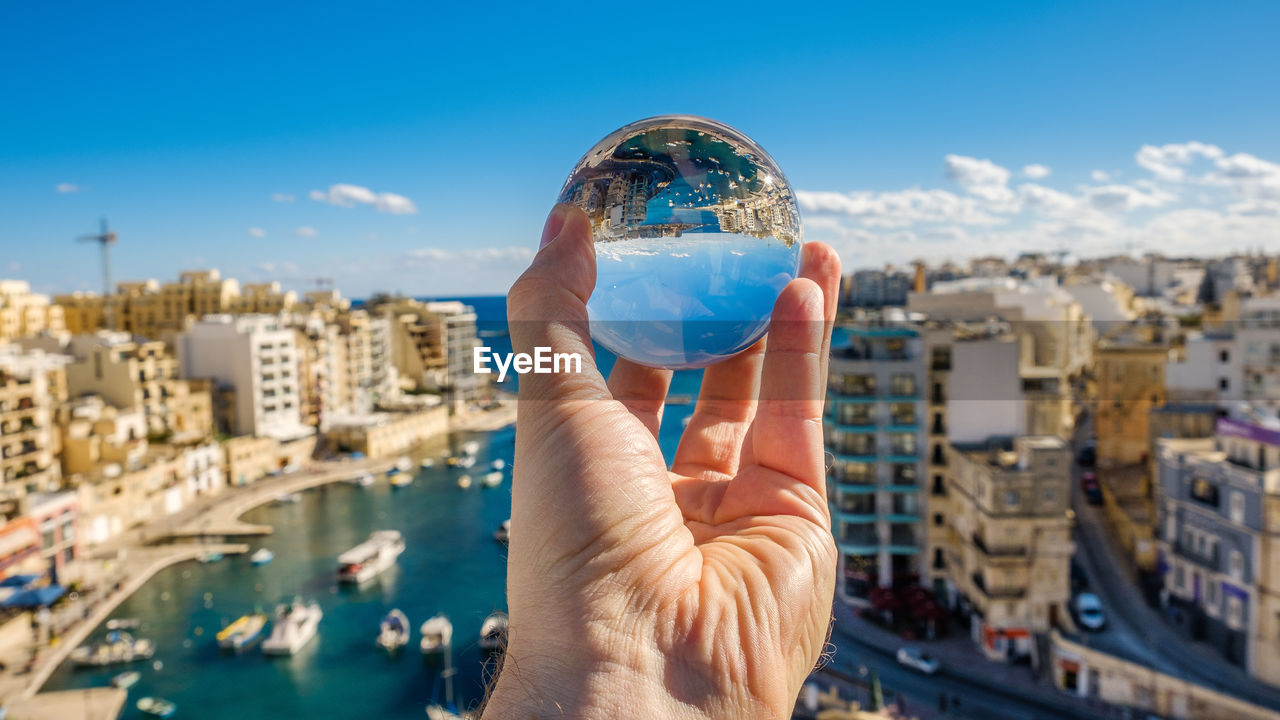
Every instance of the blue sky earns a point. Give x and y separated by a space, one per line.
906 128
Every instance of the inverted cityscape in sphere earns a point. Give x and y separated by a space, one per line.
696 231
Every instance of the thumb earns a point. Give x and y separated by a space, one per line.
547 308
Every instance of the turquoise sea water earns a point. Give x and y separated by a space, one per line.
451 564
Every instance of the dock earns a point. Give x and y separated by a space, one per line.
90 704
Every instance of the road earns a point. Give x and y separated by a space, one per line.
1135 630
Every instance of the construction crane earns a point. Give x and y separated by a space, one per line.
105 240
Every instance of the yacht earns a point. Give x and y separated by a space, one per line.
262 557
243 632
118 647
393 634
493 631
493 479
362 480
126 680
437 634
157 707
295 625
503 533
366 560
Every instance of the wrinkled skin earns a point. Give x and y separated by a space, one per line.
703 591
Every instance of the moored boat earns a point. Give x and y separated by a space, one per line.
157 707
493 479
243 632
211 557
368 559
437 634
295 625
498 464
288 498
126 680
464 481
262 557
428 463
123 623
393 633
402 479
466 461
470 447
362 480
118 647
404 464
493 631
503 533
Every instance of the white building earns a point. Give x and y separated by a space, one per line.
257 356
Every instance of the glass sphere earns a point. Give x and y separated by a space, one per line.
696 233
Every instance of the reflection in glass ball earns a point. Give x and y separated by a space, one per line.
696 234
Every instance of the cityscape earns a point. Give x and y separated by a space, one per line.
251 258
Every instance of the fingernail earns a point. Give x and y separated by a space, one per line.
555 223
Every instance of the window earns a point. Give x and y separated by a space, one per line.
902 413
1211 598
854 385
939 520
1204 491
1224 356
1224 384
1237 566
902 443
1011 498
1235 612
854 414
903 385
1237 507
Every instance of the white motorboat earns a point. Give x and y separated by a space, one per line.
288 498
362 480
295 625
493 479
427 464
157 707
400 480
404 464
242 632
503 533
466 461
118 647
437 634
464 481
470 447
262 557
368 559
123 623
126 680
210 557
393 634
438 712
498 464
493 631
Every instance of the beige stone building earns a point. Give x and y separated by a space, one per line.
32 385
431 346
1010 551
1130 384
143 376
387 434
25 314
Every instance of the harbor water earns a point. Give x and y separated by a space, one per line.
451 564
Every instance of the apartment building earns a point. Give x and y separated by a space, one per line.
32 384
432 347
1130 376
26 314
1219 540
257 356
1010 551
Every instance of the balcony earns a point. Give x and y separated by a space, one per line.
998 593
998 551
1207 559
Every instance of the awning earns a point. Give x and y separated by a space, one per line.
19 581
35 597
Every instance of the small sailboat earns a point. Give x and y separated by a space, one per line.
493 631
243 632
437 634
498 464
126 680
157 707
262 557
393 634
493 479
503 533
464 481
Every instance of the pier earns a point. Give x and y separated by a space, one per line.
90 704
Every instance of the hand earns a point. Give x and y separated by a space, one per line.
700 592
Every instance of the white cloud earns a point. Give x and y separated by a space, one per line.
1036 171
257 232
1046 199
283 197
897 208
1168 162
306 231
1125 197
345 195
971 172
1100 176
66 187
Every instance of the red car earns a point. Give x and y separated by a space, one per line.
1092 491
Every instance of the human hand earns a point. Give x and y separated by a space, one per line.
703 591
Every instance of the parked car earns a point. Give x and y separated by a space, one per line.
917 659
1092 490
1088 455
1089 612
